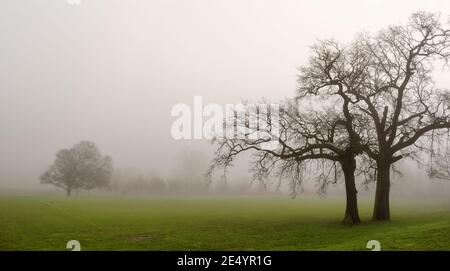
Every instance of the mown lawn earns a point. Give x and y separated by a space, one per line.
208 223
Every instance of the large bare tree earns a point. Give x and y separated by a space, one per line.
324 141
388 80
80 167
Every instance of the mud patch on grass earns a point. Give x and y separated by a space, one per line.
143 237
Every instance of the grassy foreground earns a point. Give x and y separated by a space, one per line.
207 223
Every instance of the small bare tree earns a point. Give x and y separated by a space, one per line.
80 167
439 153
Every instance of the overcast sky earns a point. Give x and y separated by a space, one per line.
110 71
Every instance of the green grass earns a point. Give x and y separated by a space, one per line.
207 223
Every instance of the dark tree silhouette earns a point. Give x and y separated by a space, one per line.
387 79
80 167
326 138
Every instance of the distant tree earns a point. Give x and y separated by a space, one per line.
80 167
175 186
156 185
137 184
440 156
189 171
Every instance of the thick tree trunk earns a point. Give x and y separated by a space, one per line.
351 211
69 191
381 211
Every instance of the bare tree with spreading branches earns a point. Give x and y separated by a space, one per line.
387 80
307 142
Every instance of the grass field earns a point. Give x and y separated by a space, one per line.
206 223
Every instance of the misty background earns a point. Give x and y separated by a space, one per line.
109 71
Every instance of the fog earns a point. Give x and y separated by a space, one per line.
110 71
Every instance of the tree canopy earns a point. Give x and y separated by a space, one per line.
383 106
80 167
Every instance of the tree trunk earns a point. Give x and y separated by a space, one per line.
381 211
351 211
69 191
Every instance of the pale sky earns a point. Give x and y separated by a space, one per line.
110 70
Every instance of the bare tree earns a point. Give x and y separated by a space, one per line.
387 79
80 167
307 140
439 153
